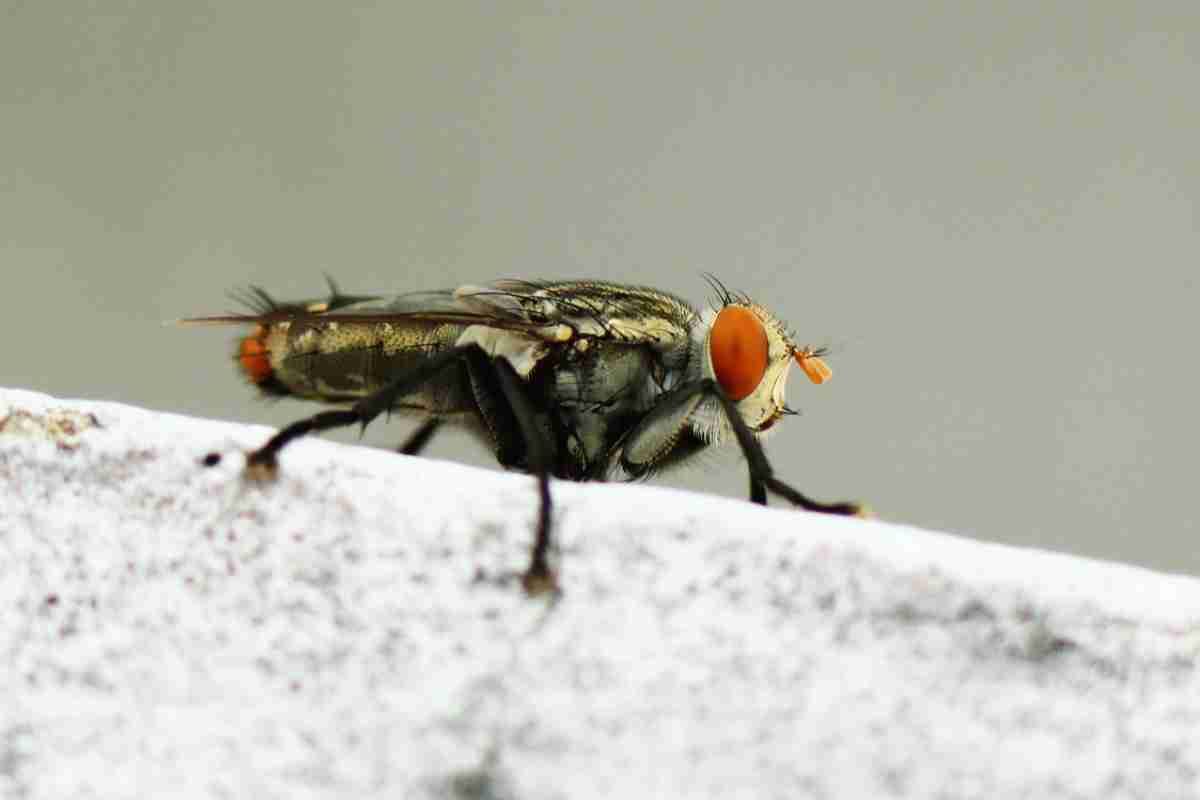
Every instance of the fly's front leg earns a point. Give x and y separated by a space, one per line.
263 462
661 430
762 476
657 436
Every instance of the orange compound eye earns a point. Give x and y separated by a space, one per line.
814 367
738 349
255 358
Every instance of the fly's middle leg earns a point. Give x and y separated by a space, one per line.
538 578
758 492
416 442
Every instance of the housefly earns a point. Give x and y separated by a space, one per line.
580 380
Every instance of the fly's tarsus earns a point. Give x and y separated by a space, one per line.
840 509
263 462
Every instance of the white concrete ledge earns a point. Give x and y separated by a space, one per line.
349 631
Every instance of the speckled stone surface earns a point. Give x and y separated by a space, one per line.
354 630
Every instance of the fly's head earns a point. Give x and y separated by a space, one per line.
749 353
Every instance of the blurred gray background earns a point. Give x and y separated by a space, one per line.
989 210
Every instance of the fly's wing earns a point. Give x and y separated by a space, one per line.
610 311
341 346
554 311
506 321
444 306
345 346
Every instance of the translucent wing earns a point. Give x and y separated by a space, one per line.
444 306
552 310
628 314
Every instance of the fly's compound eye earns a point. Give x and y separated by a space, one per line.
738 349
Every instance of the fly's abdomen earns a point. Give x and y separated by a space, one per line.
338 361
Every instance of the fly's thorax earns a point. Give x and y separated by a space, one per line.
745 349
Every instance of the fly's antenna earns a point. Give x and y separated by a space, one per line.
811 362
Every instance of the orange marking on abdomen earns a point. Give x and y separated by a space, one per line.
254 357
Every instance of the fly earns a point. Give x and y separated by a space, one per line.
579 380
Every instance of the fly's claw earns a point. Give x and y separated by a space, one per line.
862 511
540 580
261 466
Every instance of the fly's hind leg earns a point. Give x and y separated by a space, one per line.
264 462
538 578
